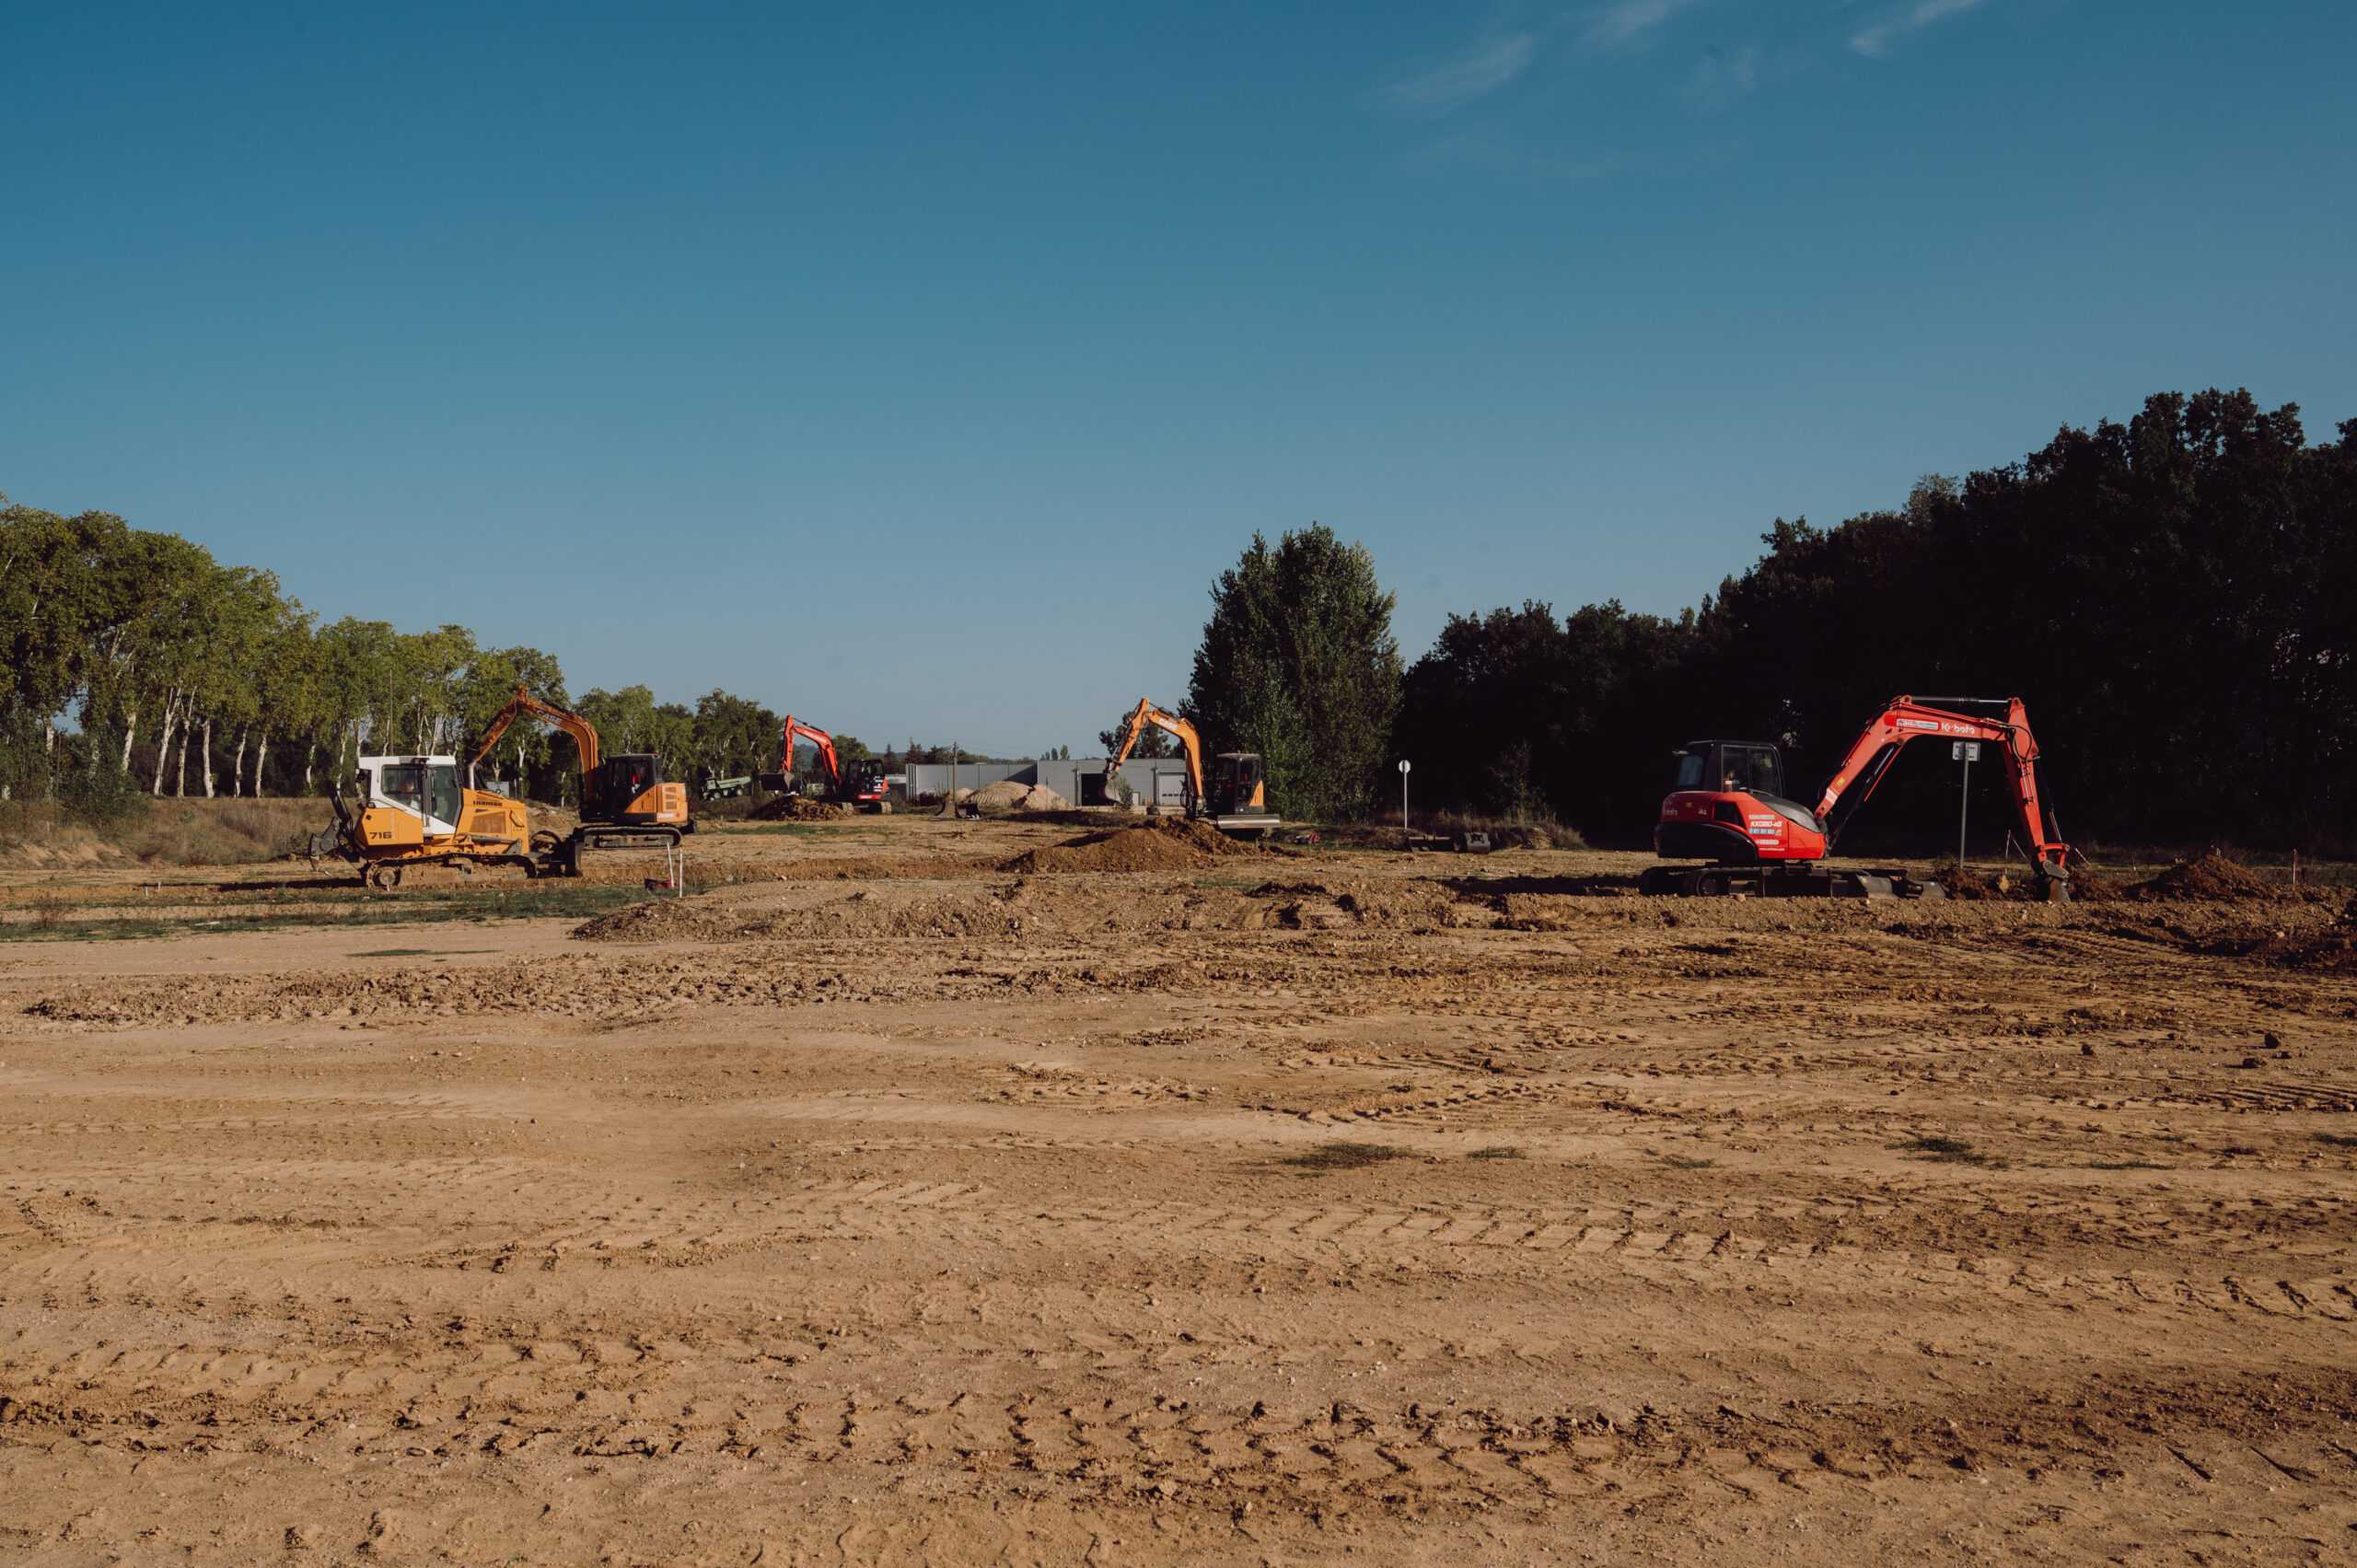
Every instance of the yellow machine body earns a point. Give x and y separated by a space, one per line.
412 810
665 803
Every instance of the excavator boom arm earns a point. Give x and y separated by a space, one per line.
584 733
1907 718
797 730
1145 714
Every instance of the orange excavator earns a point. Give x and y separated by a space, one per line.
624 799
1728 808
863 788
1235 801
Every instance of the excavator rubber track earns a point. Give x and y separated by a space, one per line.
1797 881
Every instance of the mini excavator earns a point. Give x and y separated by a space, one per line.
622 791
861 788
1727 807
1235 801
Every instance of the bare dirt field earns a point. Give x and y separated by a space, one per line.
957 1192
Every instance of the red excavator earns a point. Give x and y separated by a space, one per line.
863 788
1727 807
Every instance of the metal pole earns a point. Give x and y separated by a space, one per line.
1404 803
1964 810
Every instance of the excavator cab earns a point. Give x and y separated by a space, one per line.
1237 785
1750 767
1727 803
628 788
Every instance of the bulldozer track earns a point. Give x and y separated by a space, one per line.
1704 1247
605 1401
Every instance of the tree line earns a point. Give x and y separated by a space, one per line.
2175 597
136 664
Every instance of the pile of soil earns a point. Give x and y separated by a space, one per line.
1323 904
2291 938
1964 883
1162 843
797 808
2209 878
661 920
1008 796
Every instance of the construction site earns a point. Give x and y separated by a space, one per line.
1019 787
1070 1186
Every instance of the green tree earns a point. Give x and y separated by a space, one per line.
1153 742
732 735
1299 663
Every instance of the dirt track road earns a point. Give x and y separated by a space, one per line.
1266 1210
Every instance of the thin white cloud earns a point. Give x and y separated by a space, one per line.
1497 151
1724 75
1875 41
1481 70
1625 21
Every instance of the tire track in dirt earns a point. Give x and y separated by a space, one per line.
552 1402
1702 1245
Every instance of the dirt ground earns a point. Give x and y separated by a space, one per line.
887 1205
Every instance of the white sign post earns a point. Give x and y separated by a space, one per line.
1967 752
1403 794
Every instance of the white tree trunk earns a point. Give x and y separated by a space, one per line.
179 778
262 755
205 756
237 765
130 729
164 743
310 750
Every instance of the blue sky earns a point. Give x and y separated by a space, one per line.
916 369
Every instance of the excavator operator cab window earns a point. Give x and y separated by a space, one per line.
1730 768
1754 769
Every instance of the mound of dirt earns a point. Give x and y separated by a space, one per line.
1008 796
661 920
1320 904
1162 843
2209 878
1962 882
2331 951
797 808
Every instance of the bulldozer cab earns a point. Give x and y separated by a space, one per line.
1725 767
426 787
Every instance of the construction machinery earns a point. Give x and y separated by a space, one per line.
861 787
1727 807
1231 793
410 813
625 802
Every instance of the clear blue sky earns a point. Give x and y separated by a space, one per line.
917 367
